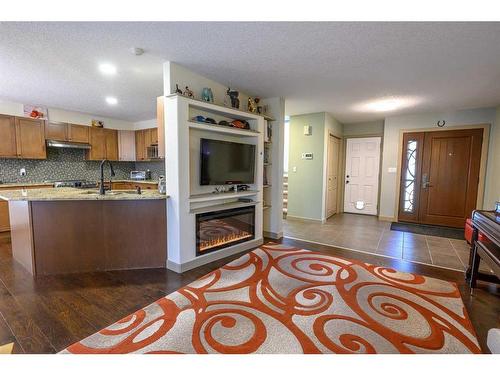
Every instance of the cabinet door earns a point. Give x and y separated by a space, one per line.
56 131
78 133
30 138
97 144
111 144
4 216
160 122
8 147
147 138
126 145
154 136
140 147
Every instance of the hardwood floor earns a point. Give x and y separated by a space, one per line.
46 314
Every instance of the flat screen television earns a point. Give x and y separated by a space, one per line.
226 163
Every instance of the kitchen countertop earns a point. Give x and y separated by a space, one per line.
67 194
21 184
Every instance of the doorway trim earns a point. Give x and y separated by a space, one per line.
482 165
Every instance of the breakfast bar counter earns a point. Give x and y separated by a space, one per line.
68 230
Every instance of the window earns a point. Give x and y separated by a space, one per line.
409 176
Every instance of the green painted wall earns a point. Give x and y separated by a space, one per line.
305 185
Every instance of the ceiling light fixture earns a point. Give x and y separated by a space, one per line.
387 104
107 69
111 100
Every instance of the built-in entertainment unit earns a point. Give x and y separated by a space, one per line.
226 163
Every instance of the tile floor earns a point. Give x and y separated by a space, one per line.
368 234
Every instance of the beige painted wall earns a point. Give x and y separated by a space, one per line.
492 188
393 127
364 129
63 115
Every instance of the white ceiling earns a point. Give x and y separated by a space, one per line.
331 67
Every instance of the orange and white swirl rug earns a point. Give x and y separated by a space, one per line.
278 299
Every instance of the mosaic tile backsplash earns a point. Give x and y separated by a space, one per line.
69 164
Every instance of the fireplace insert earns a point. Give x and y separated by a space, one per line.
219 229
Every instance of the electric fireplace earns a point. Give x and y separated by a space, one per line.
220 229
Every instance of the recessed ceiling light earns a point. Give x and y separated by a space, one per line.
107 69
387 104
111 100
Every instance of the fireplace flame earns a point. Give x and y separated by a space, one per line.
224 240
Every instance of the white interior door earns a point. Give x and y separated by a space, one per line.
361 175
332 175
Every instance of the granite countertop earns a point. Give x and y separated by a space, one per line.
137 181
67 194
21 184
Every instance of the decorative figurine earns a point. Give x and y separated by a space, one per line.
252 106
207 95
235 102
188 93
177 89
259 107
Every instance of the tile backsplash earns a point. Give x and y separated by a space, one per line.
69 164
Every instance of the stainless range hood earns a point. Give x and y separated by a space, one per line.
61 144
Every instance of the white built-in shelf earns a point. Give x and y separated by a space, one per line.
266 207
266 164
266 186
222 129
220 207
220 196
236 113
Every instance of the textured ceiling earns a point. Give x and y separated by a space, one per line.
331 67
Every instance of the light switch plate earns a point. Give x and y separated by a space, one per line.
307 129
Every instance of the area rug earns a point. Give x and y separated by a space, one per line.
429 230
279 299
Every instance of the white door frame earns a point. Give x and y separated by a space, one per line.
378 167
340 180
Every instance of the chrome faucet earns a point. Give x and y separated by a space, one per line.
102 191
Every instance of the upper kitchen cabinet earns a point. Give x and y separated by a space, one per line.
22 138
103 144
140 148
78 133
61 131
111 136
8 148
97 144
30 138
160 122
56 131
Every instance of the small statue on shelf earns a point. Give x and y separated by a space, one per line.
188 93
235 102
177 89
252 106
207 95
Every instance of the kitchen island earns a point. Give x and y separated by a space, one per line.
68 230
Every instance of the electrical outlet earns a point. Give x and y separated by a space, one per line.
22 172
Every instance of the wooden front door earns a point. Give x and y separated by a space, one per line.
440 176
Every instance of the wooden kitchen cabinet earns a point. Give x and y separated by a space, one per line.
111 136
140 148
30 138
160 125
154 136
61 131
8 148
103 143
78 133
97 144
56 131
